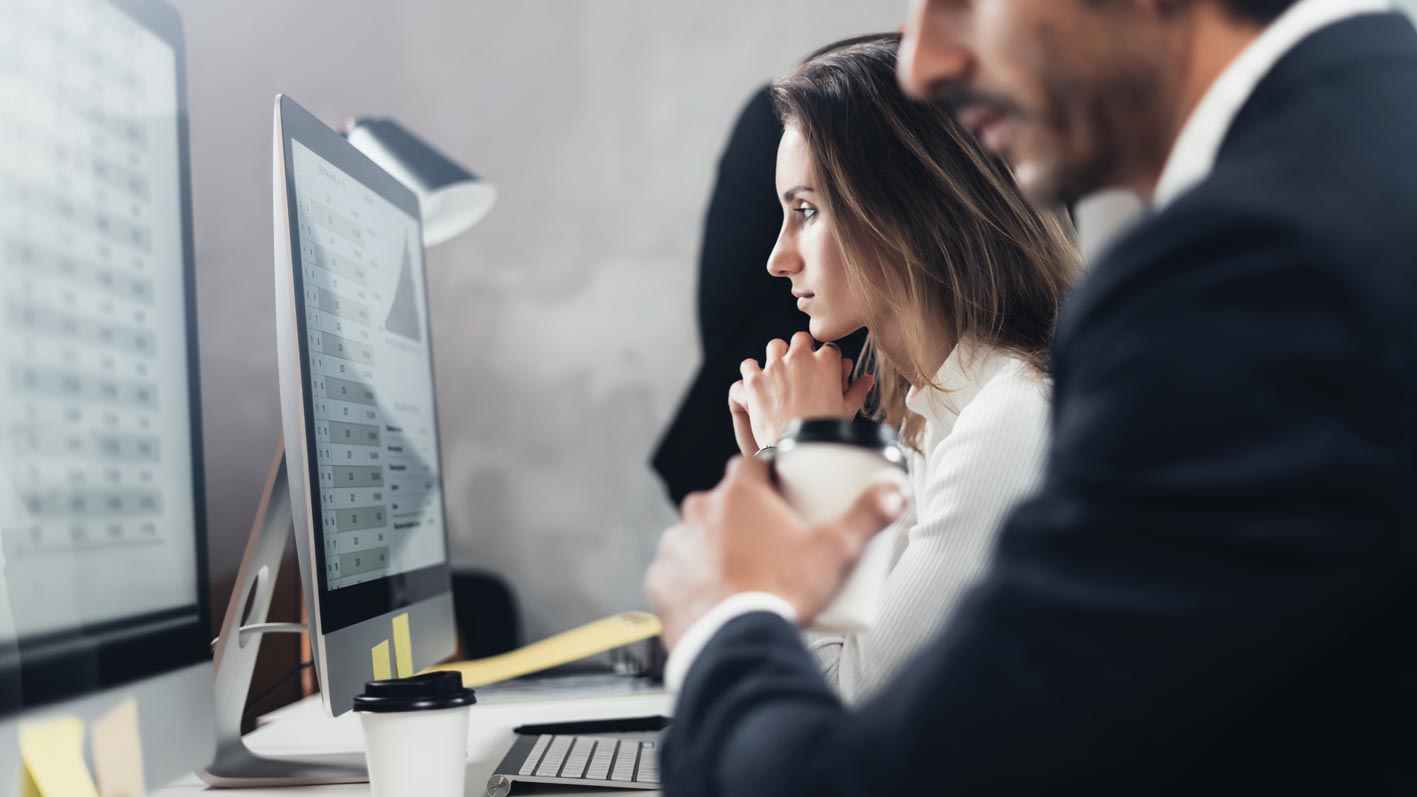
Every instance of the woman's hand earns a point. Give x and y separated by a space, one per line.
794 382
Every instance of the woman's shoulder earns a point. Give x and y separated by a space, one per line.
987 378
1004 404
997 443
1014 390
1020 376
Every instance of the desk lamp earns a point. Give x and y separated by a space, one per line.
452 198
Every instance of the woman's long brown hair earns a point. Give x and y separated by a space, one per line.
933 230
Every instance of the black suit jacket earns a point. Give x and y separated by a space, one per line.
1215 590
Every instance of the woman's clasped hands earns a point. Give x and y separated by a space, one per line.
795 381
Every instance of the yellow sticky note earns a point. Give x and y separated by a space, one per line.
403 646
380 653
53 755
578 643
118 752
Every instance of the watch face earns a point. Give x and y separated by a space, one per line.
859 432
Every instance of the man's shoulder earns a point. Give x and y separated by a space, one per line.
1204 244
1303 215
1319 165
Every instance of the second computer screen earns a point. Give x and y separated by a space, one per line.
370 377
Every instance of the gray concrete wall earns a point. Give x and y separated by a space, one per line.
563 324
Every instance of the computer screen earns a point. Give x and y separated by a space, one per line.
370 377
100 484
358 410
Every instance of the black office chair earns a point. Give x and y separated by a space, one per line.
486 614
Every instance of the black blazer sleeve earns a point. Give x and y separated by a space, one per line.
1213 568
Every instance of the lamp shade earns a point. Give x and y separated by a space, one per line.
452 198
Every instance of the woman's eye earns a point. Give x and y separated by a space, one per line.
807 211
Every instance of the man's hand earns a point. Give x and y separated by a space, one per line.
793 382
742 537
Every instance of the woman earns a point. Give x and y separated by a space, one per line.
896 220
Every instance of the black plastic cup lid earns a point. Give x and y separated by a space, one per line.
427 692
859 432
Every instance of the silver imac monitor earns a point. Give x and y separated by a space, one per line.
103 578
361 429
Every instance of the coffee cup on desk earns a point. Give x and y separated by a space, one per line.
415 735
821 467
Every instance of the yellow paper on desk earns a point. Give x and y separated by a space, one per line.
564 648
52 751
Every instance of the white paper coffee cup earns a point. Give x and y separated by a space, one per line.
415 735
822 467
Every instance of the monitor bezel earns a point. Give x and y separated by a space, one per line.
357 603
57 666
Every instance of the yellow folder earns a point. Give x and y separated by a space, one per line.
564 648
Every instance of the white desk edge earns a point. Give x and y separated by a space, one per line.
303 728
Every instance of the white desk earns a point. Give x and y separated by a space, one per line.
303 728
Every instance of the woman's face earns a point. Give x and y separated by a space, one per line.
807 252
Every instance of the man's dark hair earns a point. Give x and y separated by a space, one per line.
1259 10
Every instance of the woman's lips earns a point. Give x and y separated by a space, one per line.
804 299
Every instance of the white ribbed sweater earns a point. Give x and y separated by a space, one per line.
984 443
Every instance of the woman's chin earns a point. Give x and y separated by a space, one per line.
825 332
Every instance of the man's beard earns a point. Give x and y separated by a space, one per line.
1086 139
1112 130
1066 179
1081 129
1052 178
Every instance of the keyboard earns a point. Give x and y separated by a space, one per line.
578 761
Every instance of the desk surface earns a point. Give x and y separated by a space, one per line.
303 728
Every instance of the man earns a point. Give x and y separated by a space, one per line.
1214 590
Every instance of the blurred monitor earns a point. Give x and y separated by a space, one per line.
103 587
357 400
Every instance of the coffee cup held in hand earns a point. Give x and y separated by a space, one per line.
415 734
821 467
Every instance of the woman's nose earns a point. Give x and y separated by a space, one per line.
784 260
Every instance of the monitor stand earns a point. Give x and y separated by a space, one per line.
235 764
